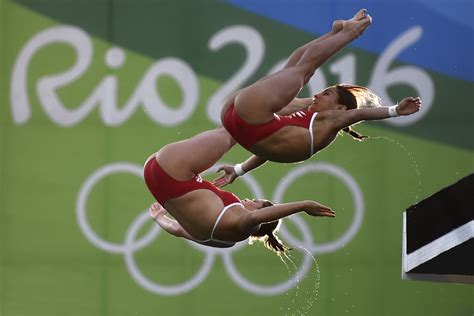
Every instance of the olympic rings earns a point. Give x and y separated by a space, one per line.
130 245
347 179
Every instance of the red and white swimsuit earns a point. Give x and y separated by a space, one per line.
163 187
247 134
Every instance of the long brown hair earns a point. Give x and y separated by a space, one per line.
266 234
356 97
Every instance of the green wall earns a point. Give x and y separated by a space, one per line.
75 238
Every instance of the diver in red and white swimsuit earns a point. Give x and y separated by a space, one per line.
266 116
164 187
269 119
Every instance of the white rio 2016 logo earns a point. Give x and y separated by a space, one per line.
105 94
130 244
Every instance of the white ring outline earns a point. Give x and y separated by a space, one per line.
154 287
357 196
81 213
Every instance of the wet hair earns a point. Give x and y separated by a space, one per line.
356 97
266 234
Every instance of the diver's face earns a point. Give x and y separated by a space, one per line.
325 100
252 205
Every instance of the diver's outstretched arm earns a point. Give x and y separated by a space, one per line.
251 221
341 119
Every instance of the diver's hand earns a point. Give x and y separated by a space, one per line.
157 210
315 209
228 177
409 106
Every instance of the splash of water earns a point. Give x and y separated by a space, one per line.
311 296
288 269
417 192
298 280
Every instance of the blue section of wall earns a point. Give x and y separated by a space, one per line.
447 44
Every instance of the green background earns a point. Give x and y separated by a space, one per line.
48 266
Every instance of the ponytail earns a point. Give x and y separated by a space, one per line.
274 243
354 134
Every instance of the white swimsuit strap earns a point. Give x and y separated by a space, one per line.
311 136
220 216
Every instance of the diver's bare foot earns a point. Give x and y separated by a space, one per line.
337 26
358 24
359 15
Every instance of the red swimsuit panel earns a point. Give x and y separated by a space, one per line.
164 187
247 134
